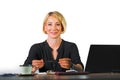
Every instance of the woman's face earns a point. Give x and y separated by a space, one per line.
53 27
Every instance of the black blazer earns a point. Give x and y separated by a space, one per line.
43 51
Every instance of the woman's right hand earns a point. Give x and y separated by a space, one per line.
37 64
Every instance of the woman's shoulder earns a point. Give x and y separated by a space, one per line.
39 44
68 42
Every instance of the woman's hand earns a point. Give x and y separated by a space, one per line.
37 64
65 63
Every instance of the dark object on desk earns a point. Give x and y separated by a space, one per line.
7 75
71 73
26 74
103 58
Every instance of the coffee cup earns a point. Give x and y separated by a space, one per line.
25 69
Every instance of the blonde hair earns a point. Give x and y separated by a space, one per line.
57 15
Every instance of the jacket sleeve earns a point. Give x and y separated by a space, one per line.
75 56
33 54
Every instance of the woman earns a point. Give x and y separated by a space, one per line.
54 53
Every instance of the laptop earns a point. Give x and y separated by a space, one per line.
103 58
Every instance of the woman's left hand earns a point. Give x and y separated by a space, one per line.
65 63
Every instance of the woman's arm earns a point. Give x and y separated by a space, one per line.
77 67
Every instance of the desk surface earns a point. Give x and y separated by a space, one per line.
92 76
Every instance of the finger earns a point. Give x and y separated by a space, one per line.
62 59
66 58
34 69
37 65
37 61
65 66
64 62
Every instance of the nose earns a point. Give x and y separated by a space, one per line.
54 27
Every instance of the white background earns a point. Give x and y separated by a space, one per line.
88 22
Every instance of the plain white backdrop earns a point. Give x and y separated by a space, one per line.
88 22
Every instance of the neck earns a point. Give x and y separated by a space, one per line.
54 43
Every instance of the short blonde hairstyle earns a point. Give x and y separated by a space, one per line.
57 15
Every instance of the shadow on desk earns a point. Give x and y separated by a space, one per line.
90 76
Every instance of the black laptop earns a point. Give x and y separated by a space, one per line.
103 59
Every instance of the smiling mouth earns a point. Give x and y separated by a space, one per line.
53 33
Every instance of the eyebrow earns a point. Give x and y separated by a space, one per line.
55 22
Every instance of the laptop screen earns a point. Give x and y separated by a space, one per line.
103 58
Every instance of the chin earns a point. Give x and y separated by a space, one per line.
54 37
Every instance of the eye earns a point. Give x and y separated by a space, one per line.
49 24
58 24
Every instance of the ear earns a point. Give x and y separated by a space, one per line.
45 29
